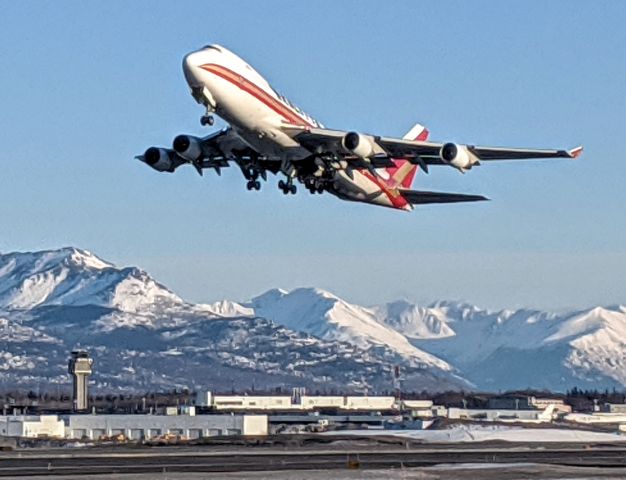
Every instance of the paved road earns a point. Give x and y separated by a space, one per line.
248 460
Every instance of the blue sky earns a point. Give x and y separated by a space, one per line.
88 85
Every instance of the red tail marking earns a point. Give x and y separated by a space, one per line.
403 173
422 137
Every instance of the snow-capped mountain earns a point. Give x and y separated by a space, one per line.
414 321
143 336
70 276
326 316
494 350
520 348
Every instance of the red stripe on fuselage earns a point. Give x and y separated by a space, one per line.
257 92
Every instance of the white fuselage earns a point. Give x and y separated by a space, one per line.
226 84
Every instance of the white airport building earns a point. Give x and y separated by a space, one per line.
134 427
309 403
597 418
260 414
32 426
140 427
291 403
503 415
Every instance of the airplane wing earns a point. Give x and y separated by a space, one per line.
421 153
416 197
431 153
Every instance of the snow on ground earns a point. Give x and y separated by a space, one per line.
477 433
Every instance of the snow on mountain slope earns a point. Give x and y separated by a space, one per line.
70 276
414 321
202 353
520 348
229 309
326 316
464 332
493 349
598 342
588 322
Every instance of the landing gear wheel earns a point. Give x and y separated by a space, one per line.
253 185
287 187
207 120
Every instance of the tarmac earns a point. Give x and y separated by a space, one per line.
345 461
470 472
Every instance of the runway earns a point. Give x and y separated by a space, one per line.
185 460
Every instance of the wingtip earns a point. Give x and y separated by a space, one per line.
576 152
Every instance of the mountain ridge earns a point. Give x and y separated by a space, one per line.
450 344
145 336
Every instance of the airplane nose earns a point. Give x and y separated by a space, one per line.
191 64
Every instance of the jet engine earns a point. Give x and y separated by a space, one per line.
188 147
160 159
457 156
358 144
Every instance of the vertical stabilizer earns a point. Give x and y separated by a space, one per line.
403 173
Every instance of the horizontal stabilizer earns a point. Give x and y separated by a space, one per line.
575 152
416 197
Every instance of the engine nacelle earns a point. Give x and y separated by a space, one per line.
188 147
358 144
160 159
457 156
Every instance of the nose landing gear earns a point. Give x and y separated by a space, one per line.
207 118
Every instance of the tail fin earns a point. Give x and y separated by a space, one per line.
403 173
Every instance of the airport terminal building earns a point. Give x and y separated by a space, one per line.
132 427
139 427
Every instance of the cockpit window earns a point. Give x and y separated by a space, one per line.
212 47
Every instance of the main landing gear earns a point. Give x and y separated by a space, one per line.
287 187
252 175
314 186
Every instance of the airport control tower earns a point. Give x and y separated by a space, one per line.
80 368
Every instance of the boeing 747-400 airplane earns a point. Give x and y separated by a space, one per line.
268 133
